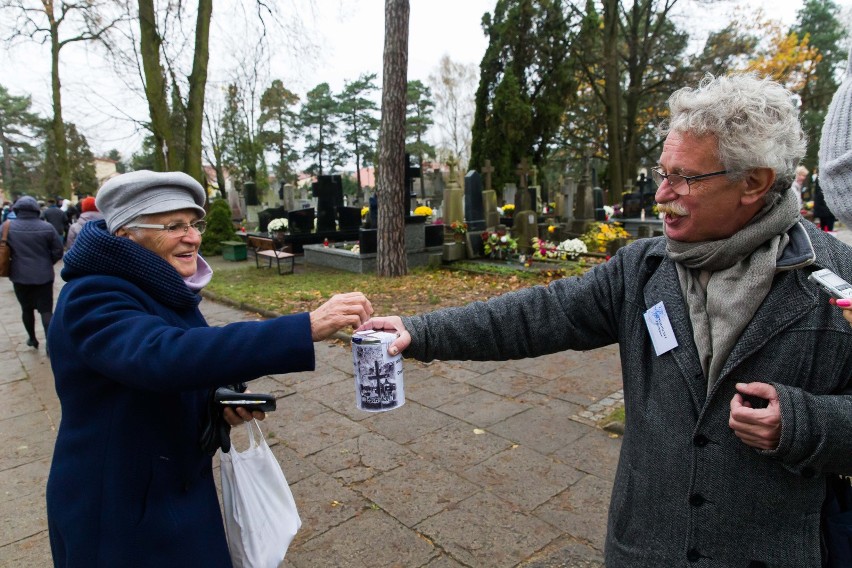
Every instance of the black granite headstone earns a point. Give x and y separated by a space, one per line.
597 195
475 245
301 221
329 193
367 240
267 215
412 172
250 193
348 218
631 205
434 235
474 213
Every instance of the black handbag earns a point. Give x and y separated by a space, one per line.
215 431
837 522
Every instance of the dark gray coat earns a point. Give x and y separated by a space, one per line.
687 491
35 244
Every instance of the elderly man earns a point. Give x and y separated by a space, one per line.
732 360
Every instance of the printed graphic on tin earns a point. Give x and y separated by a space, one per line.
378 377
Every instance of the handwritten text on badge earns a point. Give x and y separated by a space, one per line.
660 329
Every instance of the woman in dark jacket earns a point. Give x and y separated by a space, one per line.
134 363
821 210
36 247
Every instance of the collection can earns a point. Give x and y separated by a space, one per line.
378 375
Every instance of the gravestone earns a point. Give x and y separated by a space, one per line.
349 218
565 201
301 221
328 191
524 228
412 172
509 192
631 205
584 208
250 193
368 240
475 245
522 199
453 201
598 196
289 200
489 204
267 215
373 215
473 212
437 188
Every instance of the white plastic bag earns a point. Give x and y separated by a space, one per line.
260 513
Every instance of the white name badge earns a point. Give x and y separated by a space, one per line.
660 329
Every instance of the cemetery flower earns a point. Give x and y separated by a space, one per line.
458 227
498 244
609 211
551 229
508 210
279 224
423 211
364 210
600 234
572 248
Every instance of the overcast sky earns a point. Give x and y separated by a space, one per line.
349 34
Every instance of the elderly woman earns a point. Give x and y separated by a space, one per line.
134 363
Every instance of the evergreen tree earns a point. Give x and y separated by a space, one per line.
219 228
81 162
278 123
18 127
359 121
319 118
418 119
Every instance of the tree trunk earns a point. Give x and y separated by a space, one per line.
612 97
155 86
197 86
390 186
63 169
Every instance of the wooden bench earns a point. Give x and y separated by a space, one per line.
264 247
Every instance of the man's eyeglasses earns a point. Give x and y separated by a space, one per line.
174 229
680 184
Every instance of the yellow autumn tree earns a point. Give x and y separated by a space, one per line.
788 59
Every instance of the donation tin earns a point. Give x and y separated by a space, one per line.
378 376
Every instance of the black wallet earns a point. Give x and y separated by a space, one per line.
248 400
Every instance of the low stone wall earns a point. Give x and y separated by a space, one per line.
342 259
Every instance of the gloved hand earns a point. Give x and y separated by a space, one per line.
216 432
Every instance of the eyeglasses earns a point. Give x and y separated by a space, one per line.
676 181
174 229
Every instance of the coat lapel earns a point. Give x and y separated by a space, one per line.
664 286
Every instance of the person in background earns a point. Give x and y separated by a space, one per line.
821 210
56 217
89 213
135 365
36 247
7 208
798 185
732 410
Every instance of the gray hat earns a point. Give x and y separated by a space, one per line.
143 192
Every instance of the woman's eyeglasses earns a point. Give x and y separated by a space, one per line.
174 229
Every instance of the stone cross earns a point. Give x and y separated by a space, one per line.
487 170
534 175
522 201
452 162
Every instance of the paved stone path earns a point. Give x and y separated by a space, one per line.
487 464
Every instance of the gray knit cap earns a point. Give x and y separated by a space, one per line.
835 151
143 192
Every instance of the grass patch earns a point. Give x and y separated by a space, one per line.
423 289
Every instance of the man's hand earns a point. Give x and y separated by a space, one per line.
342 310
390 324
757 427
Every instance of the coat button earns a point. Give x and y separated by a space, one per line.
696 499
693 555
700 440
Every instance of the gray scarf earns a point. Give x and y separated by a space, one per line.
725 281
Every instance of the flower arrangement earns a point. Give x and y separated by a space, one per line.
458 227
276 225
571 248
609 211
364 210
551 229
499 244
507 210
568 249
424 211
599 235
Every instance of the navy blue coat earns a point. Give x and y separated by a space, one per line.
134 361
35 245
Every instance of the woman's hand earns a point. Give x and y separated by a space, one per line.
237 415
390 324
845 305
342 310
